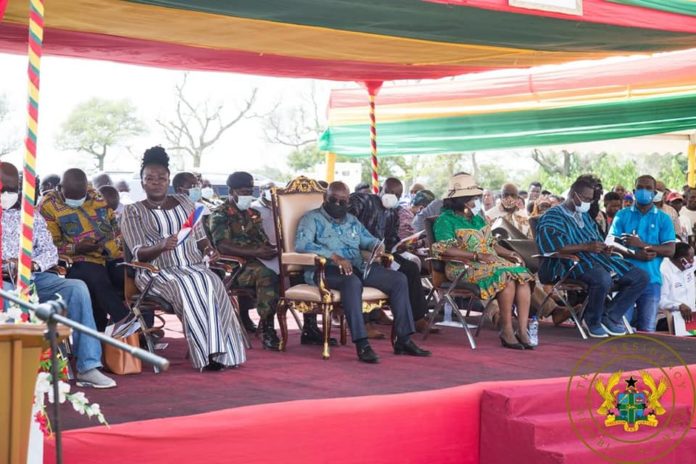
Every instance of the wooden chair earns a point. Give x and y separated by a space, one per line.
289 205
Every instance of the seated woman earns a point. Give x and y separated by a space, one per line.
197 295
461 233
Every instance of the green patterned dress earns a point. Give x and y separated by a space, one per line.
452 230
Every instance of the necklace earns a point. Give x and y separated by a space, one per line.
156 205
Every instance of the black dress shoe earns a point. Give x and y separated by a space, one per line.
512 346
270 338
410 348
526 346
367 355
313 336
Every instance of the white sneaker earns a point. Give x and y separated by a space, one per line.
95 379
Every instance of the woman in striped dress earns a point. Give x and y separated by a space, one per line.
197 295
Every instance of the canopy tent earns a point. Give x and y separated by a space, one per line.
594 101
347 39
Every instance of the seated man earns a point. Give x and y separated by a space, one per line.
567 228
509 209
85 229
236 229
45 259
331 232
649 234
112 198
380 216
678 291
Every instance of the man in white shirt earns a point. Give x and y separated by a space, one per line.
689 210
508 208
678 291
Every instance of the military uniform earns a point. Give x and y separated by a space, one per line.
244 229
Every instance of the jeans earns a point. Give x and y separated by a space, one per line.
105 284
644 316
600 284
393 283
87 349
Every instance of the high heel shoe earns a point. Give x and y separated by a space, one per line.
512 346
526 346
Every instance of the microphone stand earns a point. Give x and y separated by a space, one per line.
51 312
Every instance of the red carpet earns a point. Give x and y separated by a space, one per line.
364 422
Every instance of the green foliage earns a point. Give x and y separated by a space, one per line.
305 157
98 124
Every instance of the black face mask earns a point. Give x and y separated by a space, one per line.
336 211
459 203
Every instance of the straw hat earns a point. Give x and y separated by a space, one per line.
462 185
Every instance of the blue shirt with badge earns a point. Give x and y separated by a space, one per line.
653 228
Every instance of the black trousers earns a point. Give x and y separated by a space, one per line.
416 293
105 284
392 283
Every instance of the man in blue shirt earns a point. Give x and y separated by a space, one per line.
569 229
649 235
339 237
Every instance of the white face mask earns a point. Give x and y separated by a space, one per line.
584 205
75 203
8 199
244 202
476 209
389 200
208 193
658 196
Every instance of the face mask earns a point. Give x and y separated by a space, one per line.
389 200
509 203
8 199
644 197
336 211
207 193
584 205
658 196
476 209
244 202
75 203
195 194
686 264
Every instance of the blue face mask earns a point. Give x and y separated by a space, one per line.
195 194
644 196
75 203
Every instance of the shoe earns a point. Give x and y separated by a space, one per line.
367 355
248 324
512 346
524 344
95 379
612 328
383 319
373 333
597 331
270 340
422 326
311 335
213 366
410 348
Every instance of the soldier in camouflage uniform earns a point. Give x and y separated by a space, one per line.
237 230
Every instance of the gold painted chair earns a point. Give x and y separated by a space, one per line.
289 205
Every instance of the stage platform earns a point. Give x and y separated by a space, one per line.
298 396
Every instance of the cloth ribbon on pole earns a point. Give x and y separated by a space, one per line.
36 31
372 90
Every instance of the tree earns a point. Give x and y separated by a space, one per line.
8 141
97 125
198 126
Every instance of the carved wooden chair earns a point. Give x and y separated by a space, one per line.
289 205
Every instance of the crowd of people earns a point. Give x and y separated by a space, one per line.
618 242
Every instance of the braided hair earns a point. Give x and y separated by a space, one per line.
154 156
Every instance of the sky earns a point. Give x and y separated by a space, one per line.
66 82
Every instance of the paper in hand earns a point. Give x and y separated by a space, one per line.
681 327
373 256
408 241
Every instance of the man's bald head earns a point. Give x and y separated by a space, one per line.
394 186
10 177
74 184
337 189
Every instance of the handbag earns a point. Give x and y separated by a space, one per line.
120 362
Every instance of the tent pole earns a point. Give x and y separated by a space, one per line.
330 167
36 30
372 89
691 171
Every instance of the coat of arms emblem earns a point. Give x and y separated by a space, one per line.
631 407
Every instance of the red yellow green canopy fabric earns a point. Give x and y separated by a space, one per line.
345 39
593 101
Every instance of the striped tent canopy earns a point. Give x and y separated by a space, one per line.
608 99
352 39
